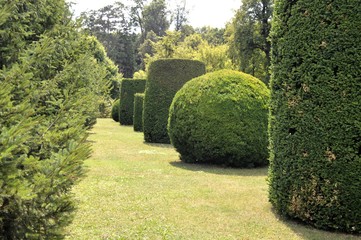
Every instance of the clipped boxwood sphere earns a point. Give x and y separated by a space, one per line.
115 110
221 118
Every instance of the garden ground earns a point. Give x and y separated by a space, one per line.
135 190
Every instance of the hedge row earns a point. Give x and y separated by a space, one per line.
129 87
138 112
165 78
315 122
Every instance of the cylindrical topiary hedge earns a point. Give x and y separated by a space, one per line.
221 118
129 87
165 78
138 112
315 116
115 110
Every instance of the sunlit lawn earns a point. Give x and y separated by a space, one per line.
135 190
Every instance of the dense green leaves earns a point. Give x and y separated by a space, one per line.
221 118
248 36
129 87
115 110
24 21
165 78
138 112
315 133
48 100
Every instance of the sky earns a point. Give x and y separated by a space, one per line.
214 13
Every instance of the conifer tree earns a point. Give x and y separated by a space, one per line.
50 94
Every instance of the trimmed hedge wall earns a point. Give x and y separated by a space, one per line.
138 112
315 121
129 87
221 118
115 110
165 78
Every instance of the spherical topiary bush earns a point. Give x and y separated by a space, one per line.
115 110
221 118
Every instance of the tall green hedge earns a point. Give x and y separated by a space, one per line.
221 118
129 87
165 78
138 112
315 116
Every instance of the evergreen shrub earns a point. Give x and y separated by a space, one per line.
115 110
49 98
315 113
165 78
221 118
138 112
114 89
129 87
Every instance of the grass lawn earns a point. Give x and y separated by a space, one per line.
135 190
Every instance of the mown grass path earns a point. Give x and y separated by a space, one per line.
135 190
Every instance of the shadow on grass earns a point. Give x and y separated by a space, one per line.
220 170
159 145
308 232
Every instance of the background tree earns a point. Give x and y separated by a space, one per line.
180 15
156 17
248 37
214 36
193 47
112 26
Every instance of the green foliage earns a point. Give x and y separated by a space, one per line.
140 75
191 47
48 100
214 36
114 90
165 78
155 17
115 110
315 128
221 118
248 38
138 112
112 26
129 87
22 22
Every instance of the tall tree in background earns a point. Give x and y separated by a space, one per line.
156 17
112 26
124 29
248 37
180 15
